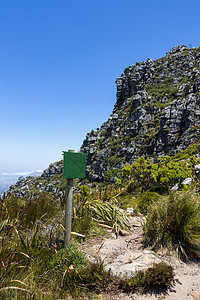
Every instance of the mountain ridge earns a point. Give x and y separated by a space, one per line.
8 179
157 112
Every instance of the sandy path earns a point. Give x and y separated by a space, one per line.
125 253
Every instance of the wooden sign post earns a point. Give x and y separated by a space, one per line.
73 167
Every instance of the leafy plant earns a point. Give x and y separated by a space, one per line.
12 264
95 277
65 269
94 207
109 215
32 209
144 175
66 257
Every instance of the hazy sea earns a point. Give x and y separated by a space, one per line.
8 179
6 182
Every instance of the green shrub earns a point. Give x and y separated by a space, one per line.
162 89
82 224
65 258
100 206
174 222
64 271
70 271
156 279
145 200
143 175
82 217
110 215
95 277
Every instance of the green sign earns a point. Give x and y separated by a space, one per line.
74 165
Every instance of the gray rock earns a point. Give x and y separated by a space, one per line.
197 168
175 187
187 181
177 49
129 262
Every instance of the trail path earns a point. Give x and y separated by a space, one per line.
125 255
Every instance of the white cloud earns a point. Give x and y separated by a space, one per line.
15 174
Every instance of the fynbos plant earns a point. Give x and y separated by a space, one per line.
158 278
174 222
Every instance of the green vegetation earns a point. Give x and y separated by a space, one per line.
160 276
160 176
145 200
31 209
173 222
33 263
163 89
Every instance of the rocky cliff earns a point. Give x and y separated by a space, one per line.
157 112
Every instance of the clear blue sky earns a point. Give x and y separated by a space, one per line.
58 63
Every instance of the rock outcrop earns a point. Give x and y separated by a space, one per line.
50 182
157 112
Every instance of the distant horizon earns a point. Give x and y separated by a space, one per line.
14 175
19 173
8 179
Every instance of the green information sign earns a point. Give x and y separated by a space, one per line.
74 164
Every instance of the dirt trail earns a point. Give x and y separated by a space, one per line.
125 255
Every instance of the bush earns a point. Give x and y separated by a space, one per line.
160 176
64 271
70 271
99 206
159 278
145 200
174 222
95 277
65 258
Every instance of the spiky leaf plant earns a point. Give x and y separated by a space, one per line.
93 206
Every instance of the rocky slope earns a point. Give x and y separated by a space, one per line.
157 112
50 182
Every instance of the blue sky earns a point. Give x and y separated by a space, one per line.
59 61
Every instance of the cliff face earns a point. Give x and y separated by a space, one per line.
157 111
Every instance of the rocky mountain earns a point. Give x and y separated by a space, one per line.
8 179
50 182
157 112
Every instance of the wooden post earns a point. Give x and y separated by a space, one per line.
68 210
73 167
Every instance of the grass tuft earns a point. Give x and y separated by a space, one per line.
173 222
